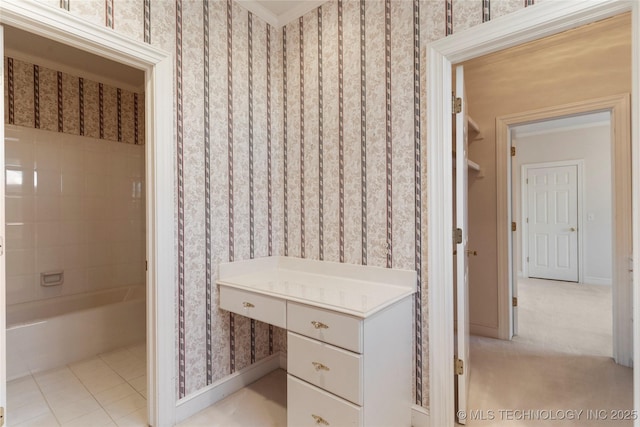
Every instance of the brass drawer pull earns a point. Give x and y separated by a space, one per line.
320 367
319 325
247 305
319 420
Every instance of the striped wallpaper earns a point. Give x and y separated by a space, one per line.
41 98
302 141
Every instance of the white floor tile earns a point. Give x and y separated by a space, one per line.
114 394
125 406
36 408
72 410
135 419
46 419
22 391
139 383
102 381
97 418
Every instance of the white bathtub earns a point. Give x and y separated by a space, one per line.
50 333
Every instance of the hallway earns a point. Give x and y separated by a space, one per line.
558 367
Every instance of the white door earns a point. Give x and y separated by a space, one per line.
3 302
462 265
552 209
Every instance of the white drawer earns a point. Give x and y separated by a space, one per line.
335 328
331 368
308 406
255 306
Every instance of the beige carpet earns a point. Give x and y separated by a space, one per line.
565 317
558 371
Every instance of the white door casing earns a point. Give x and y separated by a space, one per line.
59 25
552 222
535 22
3 278
462 263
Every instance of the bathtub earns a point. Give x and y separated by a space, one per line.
54 332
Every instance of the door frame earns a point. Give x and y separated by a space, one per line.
524 209
535 22
61 26
619 107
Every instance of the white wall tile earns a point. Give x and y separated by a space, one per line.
72 184
20 236
19 153
19 181
20 209
21 262
49 259
48 182
47 208
20 289
47 155
48 233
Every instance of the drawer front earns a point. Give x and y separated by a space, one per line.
330 368
334 328
255 306
308 406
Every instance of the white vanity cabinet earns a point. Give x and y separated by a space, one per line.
349 336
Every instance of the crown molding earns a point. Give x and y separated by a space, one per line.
302 8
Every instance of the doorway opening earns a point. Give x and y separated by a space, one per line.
543 20
62 27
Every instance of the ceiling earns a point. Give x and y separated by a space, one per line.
280 12
29 47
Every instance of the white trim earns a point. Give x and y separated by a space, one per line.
484 331
524 209
618 106
3 277
563 129
59 25
599 281
519 27
196 402
635 170
60 66
420 416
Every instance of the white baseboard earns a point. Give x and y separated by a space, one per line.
484 331
196 402
590 280
283 360
420 416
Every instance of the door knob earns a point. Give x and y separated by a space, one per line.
470 252
572 229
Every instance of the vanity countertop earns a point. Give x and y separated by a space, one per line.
347 288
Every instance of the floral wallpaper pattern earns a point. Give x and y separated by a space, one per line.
341 190
41 98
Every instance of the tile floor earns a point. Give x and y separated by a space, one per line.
107 390
260 404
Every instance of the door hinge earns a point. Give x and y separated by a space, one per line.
514 301
457 235
2 416
456 104
459 366
146 266
527 259
1 250
514 227
513 151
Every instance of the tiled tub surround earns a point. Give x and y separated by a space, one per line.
349 335
75 204
50 333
